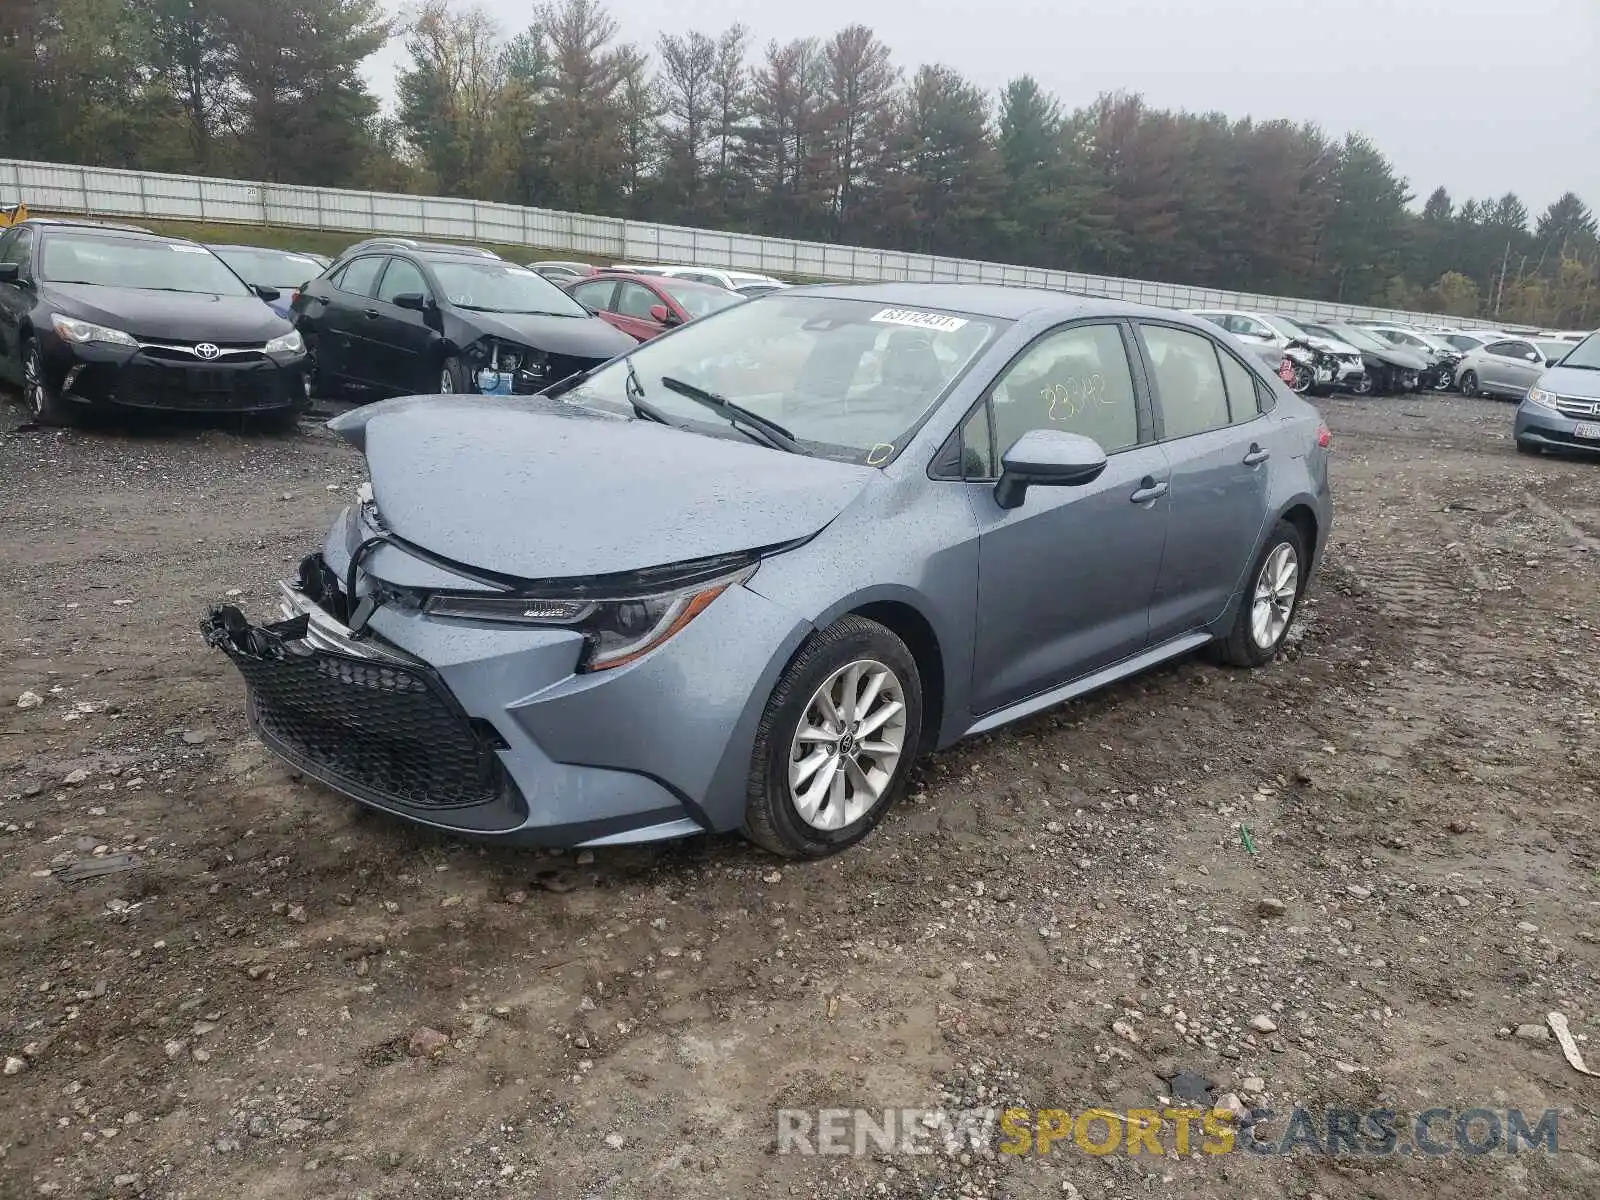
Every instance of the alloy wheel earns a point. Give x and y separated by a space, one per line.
447 383
1469 383
1272 604
848 745
33 393
1365 386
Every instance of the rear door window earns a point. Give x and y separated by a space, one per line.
1189 387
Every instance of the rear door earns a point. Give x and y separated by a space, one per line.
343 343
401 340
1208 408
1064 580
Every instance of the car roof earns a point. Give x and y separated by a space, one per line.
986 300
415 247
109 226
605 274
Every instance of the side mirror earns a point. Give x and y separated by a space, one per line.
415 301
663 315
1048 458
269 294
1531 356
10 272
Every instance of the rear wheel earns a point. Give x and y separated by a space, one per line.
833 747
44 405
1269 607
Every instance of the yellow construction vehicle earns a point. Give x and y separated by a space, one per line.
11 214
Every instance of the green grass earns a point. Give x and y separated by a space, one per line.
318 241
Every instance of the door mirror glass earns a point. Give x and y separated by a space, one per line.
1047 457
415 301
10 272
663 315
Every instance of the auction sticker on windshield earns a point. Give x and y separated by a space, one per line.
189 249
938 322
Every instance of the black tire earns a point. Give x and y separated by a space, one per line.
1469 383
1241 647
1367 385
42 402
1303 380
460 379
772 820
1530 448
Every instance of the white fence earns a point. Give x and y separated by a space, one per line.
101 192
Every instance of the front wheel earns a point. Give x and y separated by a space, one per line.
1469 383
1364 385
839 733
44 405
453 378
1301 380
1270 604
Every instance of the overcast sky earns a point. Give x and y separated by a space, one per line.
1482 96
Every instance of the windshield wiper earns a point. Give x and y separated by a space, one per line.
634 390
763 430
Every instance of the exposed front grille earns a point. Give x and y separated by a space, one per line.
384 732
1572 406
557 368
145 384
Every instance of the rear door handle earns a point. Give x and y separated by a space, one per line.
1256 455
1149 490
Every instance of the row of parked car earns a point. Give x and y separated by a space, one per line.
1366 357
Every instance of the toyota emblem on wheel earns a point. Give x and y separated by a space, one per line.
207 350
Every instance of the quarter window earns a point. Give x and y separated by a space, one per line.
1188 381
1244 396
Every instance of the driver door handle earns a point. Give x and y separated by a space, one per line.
1149 490
1256 455
372 314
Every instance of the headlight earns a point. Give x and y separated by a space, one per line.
289 343
1543 398
616 631
80 333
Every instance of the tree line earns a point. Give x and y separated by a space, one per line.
822 138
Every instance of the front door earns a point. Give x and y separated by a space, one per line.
1065 579
1221 449
632 308
16 298
401 340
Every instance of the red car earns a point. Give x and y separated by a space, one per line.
645 305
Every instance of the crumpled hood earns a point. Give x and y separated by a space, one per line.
541 489
579 337
169 316
1332 346
1399 356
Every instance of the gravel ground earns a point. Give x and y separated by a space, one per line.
1343 881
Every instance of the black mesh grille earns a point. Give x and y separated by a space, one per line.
144 384
383 732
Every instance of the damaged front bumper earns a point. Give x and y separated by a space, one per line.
490 731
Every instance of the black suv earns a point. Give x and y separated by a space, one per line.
410 319
103 316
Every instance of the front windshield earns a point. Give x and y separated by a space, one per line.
271 268
697 299
850 379
1585 355
133 262
488 285
1554 349
1286 326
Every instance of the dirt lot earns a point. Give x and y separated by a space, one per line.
235 1017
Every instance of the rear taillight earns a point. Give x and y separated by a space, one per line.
1324 437
294 297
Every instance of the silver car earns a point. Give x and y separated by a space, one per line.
1562 409
1508 367
740 577
1269 335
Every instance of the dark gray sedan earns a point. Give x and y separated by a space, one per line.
741 577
